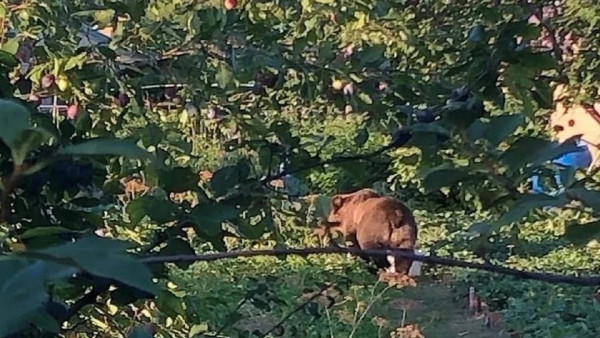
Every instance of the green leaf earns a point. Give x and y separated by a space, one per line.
76 61
21 296
178 246
209 217
372 54
14 119
45 231
197 329
23 290
170 304
140 332
540 60
101 146
582 234
8 60
228 177
11 45
361 137
224 75
157 209
44 321
443 176
178 180
496 130
459 114
101 16
533 150
364 97
106 258
86 202
590 198
542 94
527 203
431 128
27 141
522 151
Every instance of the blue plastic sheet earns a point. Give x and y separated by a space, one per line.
581 158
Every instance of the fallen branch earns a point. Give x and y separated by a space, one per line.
540 276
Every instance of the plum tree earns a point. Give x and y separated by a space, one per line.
318 85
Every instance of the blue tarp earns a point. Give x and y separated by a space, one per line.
581 158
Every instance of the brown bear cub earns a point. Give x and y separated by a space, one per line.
372 221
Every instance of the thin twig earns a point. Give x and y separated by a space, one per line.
334 160
367 309
227 323
296 309
540 276
552 35
88 298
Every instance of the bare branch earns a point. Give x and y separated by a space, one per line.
540 276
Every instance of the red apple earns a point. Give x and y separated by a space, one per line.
73 111
230 4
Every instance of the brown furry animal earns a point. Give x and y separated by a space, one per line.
372 221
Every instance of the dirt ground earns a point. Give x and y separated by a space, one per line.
433 313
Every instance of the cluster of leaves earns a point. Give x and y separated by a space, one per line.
252 94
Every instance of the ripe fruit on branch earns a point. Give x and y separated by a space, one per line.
476 105
461 94
424 116
348 109
337 84
73 111
63 83
349 89
212 112
258 88
401 137
230 4
267 78
170 92
48 81
122 100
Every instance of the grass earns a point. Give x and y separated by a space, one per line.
363 307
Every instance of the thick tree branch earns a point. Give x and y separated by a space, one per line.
540 276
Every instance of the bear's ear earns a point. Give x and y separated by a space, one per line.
337 202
